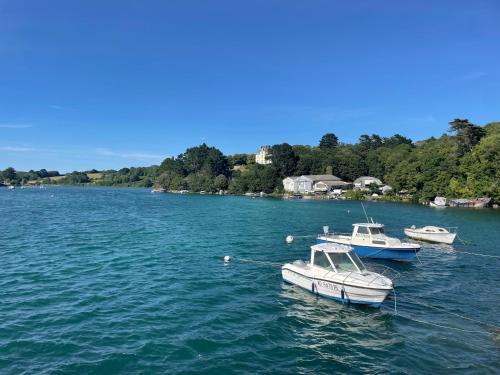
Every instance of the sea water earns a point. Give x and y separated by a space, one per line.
107 280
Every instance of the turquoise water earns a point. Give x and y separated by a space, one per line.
109 281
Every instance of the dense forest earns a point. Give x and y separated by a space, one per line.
464 163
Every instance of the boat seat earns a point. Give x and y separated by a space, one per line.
300 263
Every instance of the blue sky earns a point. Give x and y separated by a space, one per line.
108 84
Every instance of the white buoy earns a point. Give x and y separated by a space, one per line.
227 259
289 239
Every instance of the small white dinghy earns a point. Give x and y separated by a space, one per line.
336 272
431 234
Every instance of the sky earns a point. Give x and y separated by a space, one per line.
107 84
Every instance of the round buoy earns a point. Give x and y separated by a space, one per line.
289 239
496 336
227 259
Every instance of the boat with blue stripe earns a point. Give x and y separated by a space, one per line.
369 241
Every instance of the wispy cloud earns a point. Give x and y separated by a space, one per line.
15 126
128 155
472 76
55 106
17 149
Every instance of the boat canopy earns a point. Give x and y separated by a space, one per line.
368 225
331 247
336 258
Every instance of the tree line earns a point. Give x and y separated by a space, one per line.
463 163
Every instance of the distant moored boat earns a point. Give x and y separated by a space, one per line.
431 234
438 202
158 190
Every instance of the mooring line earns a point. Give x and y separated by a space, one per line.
305 236
477 254
258 262
464 241
443 309
443 326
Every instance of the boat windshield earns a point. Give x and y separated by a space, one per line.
356 260
321 260
343 262
376 231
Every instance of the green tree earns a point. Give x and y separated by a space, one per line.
166 179
199 182
9 174
468 135
284 159
75 178
237 159
172 165
328 141
220 182
208 160
348 163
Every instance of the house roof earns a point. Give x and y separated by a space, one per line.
362 179
322 177
333 183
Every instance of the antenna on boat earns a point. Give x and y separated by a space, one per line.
366 215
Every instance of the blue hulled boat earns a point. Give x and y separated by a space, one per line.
369 240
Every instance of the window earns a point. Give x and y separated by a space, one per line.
362 230
321 260
376 231
342 262
356 260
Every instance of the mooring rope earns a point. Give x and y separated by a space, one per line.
258 262
478 254
307 236
464 242
439 308
444 326
495 332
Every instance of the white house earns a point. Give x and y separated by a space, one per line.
263 156
327 186
307 183
386 189
365 181
290 184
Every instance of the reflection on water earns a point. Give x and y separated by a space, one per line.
335 331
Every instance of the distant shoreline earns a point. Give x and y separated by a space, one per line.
251 195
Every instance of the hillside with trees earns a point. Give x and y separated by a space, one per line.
464 163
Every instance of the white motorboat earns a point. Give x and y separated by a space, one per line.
11 187
438 202
158 190
336 272
431 234
369 241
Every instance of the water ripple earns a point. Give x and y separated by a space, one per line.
122 281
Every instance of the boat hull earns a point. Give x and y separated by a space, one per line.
333 290
373 252
446 238
432 204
